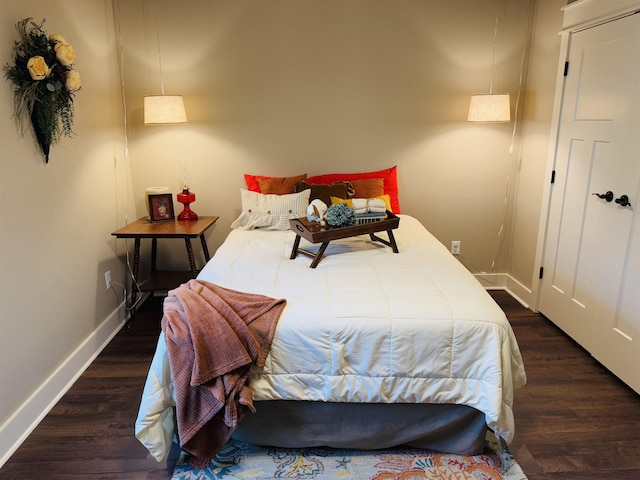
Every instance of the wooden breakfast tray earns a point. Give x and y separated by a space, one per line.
315 233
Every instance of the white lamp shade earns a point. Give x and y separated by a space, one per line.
489 107
164 109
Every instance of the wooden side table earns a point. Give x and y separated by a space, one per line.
163 279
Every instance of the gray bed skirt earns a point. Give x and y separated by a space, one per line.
457 429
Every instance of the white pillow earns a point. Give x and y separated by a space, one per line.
270 211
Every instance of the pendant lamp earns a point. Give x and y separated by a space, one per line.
490 107
163 109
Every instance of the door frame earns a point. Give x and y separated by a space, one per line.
577 16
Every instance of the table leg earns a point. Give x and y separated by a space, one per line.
154 253
392 239
294 250
205 249
192 261
134 283
136 266
319 255
390 243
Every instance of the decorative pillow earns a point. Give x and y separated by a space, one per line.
270 211
368 187
324 192
350 201
253 182
389 176
387 201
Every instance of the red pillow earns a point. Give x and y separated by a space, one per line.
389 176
254 186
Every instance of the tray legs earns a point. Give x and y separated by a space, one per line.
296 244
391 243
317 256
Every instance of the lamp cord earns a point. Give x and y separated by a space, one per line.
134 283
525 50
159 54
145 12
493 59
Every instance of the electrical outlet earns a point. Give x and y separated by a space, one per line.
107 279
455 247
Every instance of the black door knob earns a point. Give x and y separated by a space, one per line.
623 201
607 196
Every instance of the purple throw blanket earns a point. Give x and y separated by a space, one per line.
213 336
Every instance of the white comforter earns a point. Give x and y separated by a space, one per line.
366 325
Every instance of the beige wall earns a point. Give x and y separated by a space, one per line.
278 88
287 87
56 219
532 159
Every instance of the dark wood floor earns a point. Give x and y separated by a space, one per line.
574 419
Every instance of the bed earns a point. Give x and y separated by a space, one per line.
373 349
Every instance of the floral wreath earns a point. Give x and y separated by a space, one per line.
45 83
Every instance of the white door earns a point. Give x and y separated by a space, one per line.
591 280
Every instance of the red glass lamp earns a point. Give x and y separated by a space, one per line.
186 198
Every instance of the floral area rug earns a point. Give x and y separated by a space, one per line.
240 460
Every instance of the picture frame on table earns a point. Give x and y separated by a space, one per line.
161 208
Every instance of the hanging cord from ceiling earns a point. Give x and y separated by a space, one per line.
159 55
509 183
495 46
127 169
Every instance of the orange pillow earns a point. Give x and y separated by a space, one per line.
253 184
278 186
389 176
368 187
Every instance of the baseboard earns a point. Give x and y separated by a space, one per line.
504 281
492 281
522 294
20 425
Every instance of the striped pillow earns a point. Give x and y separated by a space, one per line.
270 211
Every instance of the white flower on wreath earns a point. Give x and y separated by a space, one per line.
72 81
38 68
65 54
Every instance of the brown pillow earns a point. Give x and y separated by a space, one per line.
279 185
368 188
324 192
